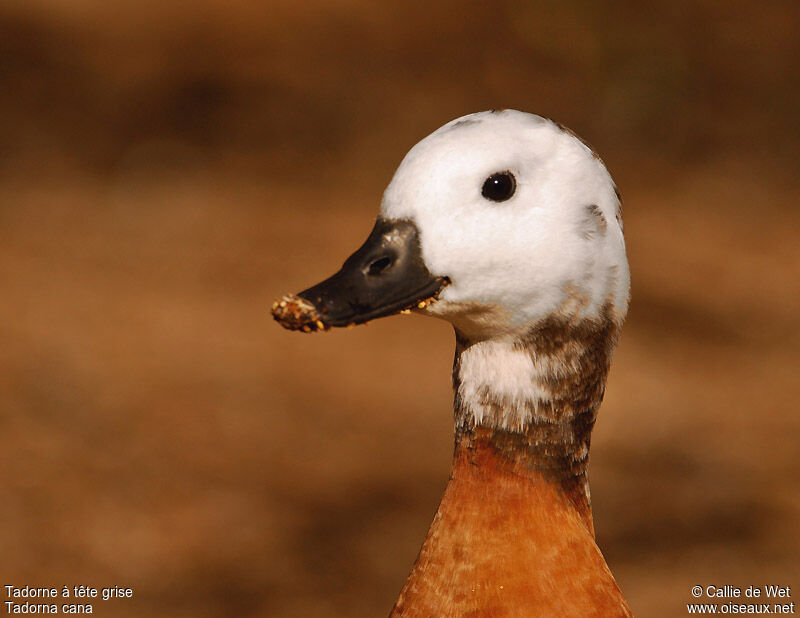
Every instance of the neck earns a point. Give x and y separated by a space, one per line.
533 399
516 515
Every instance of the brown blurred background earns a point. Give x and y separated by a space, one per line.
168 168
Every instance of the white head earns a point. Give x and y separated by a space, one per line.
512 224
554 246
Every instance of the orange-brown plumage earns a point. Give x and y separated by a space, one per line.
507 541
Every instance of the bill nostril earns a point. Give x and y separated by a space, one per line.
379 265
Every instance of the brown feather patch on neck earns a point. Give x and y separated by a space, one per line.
539 406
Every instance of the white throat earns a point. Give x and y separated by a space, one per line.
502 385
552 375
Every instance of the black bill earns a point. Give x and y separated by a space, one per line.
385 276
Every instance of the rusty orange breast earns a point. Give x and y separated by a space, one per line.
507 541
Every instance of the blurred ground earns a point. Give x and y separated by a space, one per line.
167 169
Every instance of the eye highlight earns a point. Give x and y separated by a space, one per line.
499 187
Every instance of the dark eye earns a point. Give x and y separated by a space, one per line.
499 187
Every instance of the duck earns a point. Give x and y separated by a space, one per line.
508 226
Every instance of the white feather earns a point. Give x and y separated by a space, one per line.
520 260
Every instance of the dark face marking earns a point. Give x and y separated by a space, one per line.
569 131
461 124
465 122
593 223
618 214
